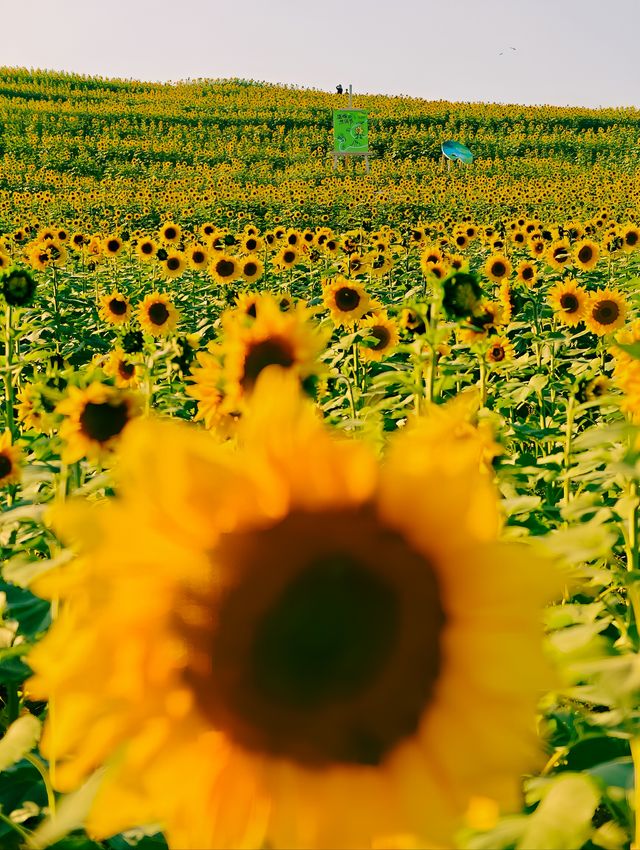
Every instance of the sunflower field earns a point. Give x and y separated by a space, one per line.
319 489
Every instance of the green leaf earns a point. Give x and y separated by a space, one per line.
19 739
562 821
70 814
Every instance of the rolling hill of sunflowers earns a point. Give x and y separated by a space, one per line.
319 489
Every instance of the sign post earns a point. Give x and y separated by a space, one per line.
350 133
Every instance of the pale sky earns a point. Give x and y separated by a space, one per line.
567 52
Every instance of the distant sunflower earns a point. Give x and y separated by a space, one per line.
630 238
125 369
170 232
251 268
175 265
146 249
568 301
497 268
112 245
559 254
384 332
346 300
586 254
94 419
251 243
224 268
115 308
500 350
10 458
527 273
331 649
596 388
380 264
157 314
198 257
412 321
606 311
289 340
287 257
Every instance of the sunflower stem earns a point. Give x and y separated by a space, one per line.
635 755
44 773
8 377
483 381
567 448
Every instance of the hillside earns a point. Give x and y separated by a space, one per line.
88 148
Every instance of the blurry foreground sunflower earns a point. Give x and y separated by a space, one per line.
329 650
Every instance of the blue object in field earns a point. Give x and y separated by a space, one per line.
456 150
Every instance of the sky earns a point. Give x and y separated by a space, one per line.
561 52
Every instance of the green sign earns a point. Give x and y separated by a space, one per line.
350 131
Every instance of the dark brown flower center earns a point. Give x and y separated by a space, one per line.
321 641
146 248
585 254
198 257
225 268
113 246
498 269
251 244
275 351
250 269
569 302
126 370
527 273
118 306
170 233
631 238
158 313
5 465
173 264
102 421
347 299
605 312
382 336
289 256
497 353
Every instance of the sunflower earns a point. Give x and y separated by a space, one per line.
507 302
347 300
175 265
330 649
251 243
224 268
251 268
586 254
500 349
10 457
596 388
112 245
274 338
385 336
559 254
412 321
527 273
568 300
115 308
125 370
606 311
146 249
94 420
497 268
35 408
630 238
198 257
170 232
157 315
380 264
287 257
